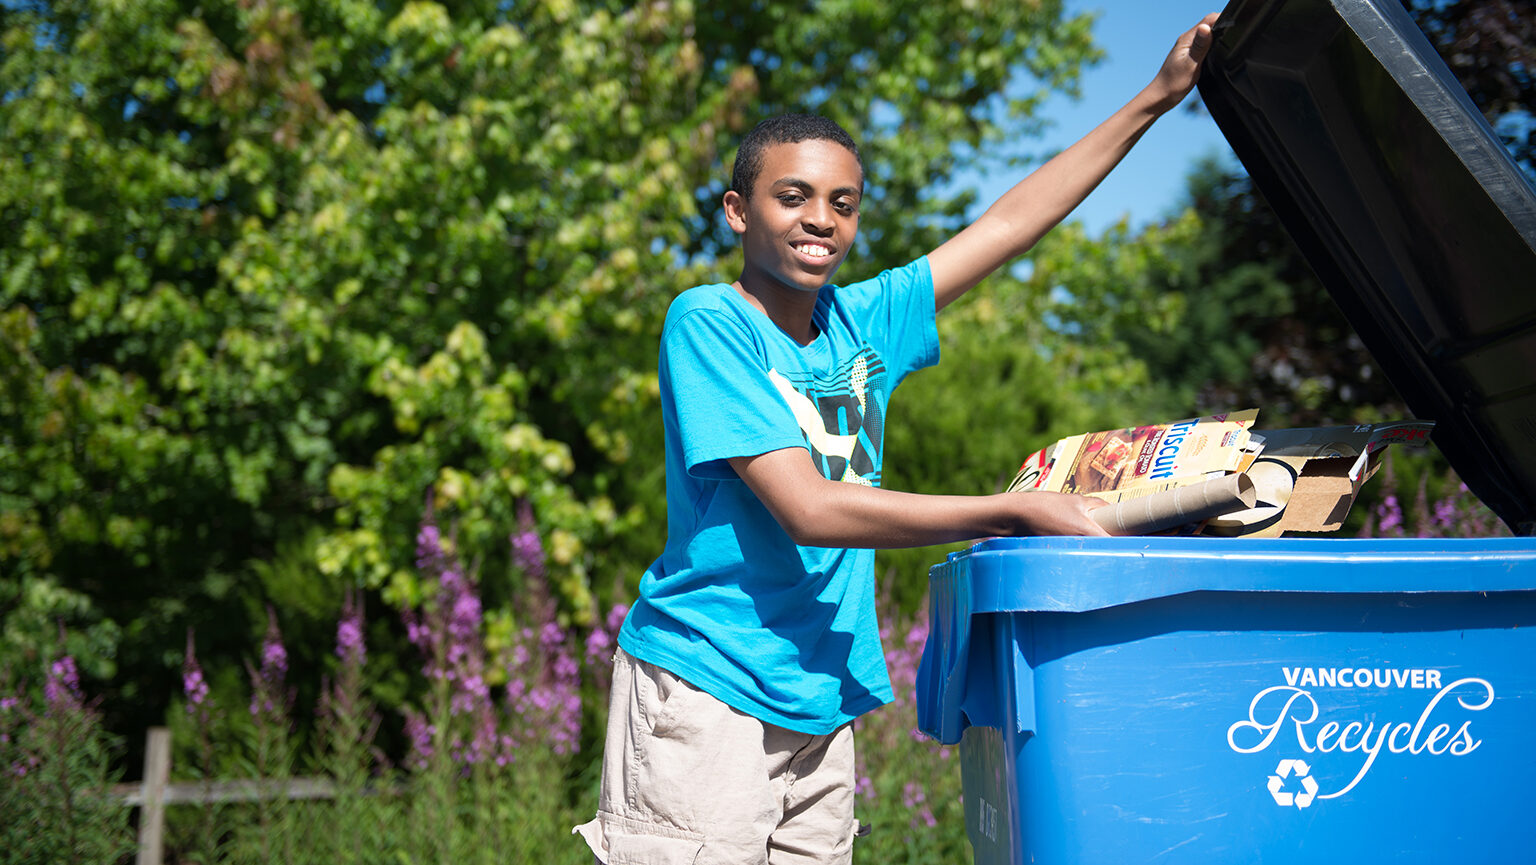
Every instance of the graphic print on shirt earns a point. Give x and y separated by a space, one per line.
842 416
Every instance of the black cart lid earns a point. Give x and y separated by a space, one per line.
1412 214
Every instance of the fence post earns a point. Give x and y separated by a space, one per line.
157 771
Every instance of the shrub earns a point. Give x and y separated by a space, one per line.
56 763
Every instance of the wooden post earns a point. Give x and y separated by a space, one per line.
157 772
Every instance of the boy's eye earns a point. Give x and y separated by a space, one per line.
791 199
846 208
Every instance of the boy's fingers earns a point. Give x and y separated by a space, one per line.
1203 38
1201 44
1092 527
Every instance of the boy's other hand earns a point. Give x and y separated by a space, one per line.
1048 513
1181 69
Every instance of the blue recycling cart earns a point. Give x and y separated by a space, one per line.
1294 700
1164 700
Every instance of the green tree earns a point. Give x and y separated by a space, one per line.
1257 329
279 278
1490 45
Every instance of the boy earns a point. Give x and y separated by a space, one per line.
753 644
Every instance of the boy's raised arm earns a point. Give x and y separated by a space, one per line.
1017 220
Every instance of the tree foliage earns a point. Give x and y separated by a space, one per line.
1490 45
1256 327
277 279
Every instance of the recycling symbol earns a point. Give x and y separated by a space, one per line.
1286 798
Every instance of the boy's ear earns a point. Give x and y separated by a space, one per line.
735 210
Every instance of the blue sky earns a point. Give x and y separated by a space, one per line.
1135 35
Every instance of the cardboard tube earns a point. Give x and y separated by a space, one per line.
1177 507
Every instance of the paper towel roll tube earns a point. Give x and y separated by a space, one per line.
1177 507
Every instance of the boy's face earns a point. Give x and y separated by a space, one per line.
803 214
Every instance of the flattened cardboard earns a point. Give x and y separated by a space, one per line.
1323 495
1327 466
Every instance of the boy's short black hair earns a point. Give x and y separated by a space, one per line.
784 129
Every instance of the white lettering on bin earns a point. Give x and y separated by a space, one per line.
1361 677
1279 708
988 818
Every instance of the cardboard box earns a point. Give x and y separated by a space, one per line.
1306 480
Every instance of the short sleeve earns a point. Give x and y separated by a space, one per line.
723 399
897 310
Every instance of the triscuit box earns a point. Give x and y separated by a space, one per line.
1307 479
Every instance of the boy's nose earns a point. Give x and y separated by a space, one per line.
817 217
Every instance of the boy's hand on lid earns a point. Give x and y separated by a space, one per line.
1181 69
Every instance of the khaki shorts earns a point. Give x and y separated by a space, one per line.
688 779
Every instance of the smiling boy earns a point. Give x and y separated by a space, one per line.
754 644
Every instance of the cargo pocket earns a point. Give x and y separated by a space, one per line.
671 716
656 689
637 842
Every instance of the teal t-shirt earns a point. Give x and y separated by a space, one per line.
785 633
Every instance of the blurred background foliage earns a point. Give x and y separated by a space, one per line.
279 281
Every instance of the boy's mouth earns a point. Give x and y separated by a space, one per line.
813 250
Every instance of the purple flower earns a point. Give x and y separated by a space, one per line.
63 670
21 767
63 684
527 548
917 635
551 636
598 648
543 694
193 686
912 796
463 662
616 617
420 733
431 555
1389 515
471 694
267 695
416 630
351 647
483 746
1445 513
464 616
274 656
448 633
